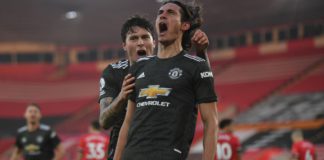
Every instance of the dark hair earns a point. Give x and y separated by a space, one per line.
225 123
136 21
34 105
192 14
95 125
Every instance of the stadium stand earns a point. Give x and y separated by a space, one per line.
281 138
260 77
285 108
312 83
78 122
25 72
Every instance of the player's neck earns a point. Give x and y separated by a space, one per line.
32 126
171 50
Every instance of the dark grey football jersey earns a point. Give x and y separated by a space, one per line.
110 85
166 94
39 144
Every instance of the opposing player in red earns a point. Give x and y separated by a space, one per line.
302 149
93 146
228 145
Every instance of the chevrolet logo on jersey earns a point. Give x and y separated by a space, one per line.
153 91
31 148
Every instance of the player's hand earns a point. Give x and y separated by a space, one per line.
127 87
200 41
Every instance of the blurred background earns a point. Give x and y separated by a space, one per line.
267 57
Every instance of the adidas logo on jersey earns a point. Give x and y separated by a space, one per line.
142 75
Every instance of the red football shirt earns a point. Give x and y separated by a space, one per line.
228 146
304 150
94 146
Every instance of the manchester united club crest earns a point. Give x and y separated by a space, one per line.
23 140
39 139
175 73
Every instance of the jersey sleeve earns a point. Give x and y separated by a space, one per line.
294 149
18 141
108 86
54 138
204 84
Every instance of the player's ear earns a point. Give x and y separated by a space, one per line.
154 44
185 26
124 46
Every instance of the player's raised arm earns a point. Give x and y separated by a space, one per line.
122 140
111 108
200 42
209 117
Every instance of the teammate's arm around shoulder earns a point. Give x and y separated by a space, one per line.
209 117
122 139
110 108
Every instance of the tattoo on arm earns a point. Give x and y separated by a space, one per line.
105 111
109 111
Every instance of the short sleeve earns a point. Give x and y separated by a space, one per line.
204 84
54 138
18 141
108 86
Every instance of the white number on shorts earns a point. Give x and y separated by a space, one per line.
96 151
224 151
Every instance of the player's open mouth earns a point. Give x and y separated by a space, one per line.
163 27
141 53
